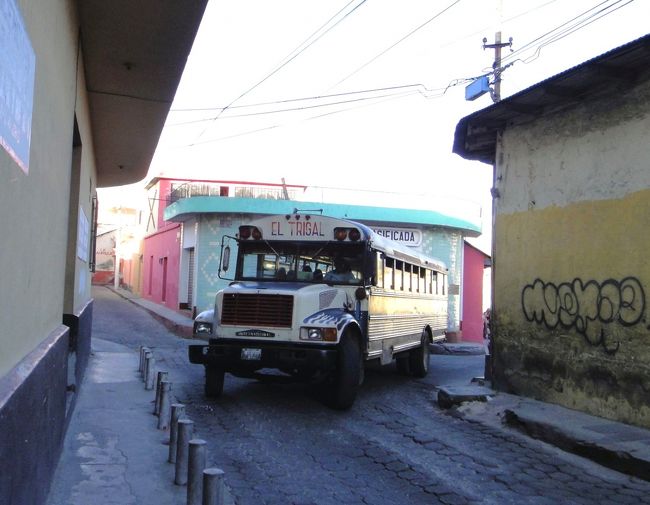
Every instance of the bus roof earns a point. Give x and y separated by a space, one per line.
321 228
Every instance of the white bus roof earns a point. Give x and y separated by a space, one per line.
321 228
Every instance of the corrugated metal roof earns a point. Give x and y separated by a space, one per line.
605 75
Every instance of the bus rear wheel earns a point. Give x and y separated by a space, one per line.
419 357
213 381
348 375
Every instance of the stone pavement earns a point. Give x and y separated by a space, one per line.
114 453
619 446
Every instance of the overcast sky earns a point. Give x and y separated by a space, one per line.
416 54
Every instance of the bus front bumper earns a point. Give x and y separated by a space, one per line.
237 356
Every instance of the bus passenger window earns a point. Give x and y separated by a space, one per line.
422 283
415 278
399 276
379 271
407 278
434 283
389 273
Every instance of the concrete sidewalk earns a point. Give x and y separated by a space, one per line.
618 446
113 452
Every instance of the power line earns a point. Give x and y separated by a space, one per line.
566 33
288 59
396 43
427 94
393 89
576 23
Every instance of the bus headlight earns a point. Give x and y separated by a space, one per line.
202 328
318 334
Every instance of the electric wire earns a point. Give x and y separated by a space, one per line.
428 94
561 31
396 43
536 54
391 89
288 59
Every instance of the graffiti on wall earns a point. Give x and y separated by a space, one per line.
593 309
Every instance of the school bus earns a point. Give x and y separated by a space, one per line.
317 297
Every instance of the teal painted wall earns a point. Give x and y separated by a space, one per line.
441 243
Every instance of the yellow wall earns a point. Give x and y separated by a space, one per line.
572 269
34 206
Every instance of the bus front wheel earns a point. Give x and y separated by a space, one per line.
213 381
348 375
419 357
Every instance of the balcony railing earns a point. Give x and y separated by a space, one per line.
189 190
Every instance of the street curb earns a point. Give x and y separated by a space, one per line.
613 457
179 330
464 349
450 396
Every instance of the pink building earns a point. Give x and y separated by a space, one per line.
474 264
161 249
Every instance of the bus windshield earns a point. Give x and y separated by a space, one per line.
318 262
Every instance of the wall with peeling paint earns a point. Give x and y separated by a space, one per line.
572 272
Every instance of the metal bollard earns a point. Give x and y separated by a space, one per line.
147 357
213 486
185 430
148 383
195 469
143 351
141 363
178 411
163 415
161 376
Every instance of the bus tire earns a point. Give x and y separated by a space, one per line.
348 373
419 357
213 381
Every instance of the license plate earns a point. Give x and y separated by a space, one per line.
251 354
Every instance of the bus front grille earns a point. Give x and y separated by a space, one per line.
257 310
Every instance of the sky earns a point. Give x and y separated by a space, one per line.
359 99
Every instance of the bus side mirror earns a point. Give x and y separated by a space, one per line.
225 260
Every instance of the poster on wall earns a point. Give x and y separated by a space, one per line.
17 69
83 235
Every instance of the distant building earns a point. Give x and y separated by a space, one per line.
181 258
475 262
79 110
105 258
571 308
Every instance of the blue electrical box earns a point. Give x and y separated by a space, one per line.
477 88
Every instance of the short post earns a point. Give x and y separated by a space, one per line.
163 414
145 365
148 384
161 376
141 365
178 411
185 431
213 486
195 469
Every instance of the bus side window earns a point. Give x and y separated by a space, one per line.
399 276
408 277
423 280
415 279
443 284
379 270
434 283
389 273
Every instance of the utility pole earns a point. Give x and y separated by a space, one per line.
496 92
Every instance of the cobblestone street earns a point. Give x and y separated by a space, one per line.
279 444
